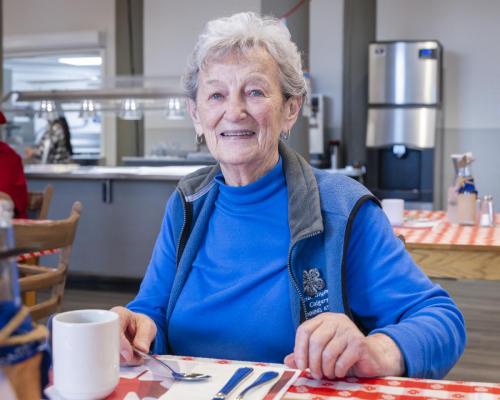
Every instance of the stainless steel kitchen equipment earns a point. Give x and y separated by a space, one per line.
315 111
404 125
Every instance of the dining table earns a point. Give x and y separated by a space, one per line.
449 250
140 383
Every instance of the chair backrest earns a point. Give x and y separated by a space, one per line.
39 202
46 235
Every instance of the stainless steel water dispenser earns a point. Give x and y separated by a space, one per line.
404 125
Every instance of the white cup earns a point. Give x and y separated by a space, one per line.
86 353
394 209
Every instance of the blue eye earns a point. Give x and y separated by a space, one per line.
215 96
256 93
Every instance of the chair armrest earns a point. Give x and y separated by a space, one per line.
41 281
25 269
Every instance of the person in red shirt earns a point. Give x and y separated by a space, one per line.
12 179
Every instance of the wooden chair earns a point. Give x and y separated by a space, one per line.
46 235
37 208
39 202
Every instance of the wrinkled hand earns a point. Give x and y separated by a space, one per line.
135 329
331 345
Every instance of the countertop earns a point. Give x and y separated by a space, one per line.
195 158
73 171
171 172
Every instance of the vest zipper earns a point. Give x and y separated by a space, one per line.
182 239
292 276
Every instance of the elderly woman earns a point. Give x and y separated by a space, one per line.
265 258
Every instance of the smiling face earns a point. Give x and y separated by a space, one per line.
241 111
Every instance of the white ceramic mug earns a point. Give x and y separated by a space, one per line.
86 353
394 209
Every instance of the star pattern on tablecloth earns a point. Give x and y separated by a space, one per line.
142 389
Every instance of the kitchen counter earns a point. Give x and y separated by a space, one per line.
73 171
197 158
123 208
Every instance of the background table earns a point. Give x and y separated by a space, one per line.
452 250
355 388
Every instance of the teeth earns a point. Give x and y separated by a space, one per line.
237 133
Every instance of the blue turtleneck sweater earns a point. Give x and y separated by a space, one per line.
235 301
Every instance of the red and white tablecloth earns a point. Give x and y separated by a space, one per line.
437 230
305 387
390 389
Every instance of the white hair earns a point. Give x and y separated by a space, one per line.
241 33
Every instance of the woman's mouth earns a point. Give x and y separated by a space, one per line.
240 133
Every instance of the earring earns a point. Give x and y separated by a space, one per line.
199 139
285 135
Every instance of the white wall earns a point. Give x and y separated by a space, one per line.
469 32
32 17
169 36
326 58
35 16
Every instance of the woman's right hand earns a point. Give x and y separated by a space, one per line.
136 330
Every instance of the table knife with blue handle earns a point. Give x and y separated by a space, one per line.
235 380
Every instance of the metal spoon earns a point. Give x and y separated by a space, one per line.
178 376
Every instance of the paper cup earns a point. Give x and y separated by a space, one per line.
86 353
394 209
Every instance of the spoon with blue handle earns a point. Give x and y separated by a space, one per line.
263 378
235 380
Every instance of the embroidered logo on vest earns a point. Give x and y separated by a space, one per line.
316 293
313 282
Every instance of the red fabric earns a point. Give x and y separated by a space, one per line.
12 179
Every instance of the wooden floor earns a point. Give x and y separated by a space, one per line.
478 300
480 304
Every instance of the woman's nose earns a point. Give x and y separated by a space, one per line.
235 109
